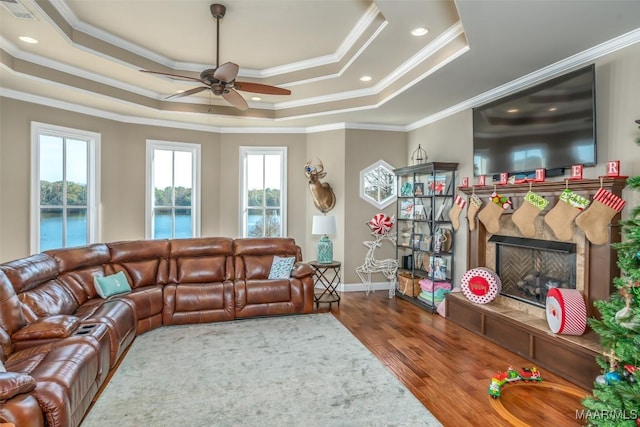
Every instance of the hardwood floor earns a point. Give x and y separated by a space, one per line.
449 368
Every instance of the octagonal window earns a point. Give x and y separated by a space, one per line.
378 184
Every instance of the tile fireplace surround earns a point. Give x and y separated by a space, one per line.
521 326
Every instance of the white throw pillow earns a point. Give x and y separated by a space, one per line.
2 368
281 267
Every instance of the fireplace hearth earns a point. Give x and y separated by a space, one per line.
529 268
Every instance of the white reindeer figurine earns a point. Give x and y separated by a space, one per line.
388 267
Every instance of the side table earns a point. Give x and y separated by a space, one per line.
328 275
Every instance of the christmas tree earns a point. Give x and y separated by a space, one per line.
616 394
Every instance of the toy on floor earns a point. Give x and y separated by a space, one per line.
510 376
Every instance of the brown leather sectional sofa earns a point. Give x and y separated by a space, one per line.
59 339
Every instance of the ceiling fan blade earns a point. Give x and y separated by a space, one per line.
175 76
226 72
188 92
260 88
235 99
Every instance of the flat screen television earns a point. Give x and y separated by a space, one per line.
551 125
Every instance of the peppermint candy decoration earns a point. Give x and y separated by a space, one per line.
381 223
480 285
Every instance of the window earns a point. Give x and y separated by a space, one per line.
173 190
64 190
263 176
378 184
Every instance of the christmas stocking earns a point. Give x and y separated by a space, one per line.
490 214
526 214
454 212
560 218
472 211
595 221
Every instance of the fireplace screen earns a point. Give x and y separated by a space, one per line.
528 268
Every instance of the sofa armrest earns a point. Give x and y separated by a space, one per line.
14 383
58 326
301 270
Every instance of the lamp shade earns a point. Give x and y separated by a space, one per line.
323 224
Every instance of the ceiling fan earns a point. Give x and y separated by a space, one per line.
222 79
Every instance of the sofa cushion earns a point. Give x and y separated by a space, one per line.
48 299
253 256
145 262
11 315
30 272
13 383
112 285
60 326
281 267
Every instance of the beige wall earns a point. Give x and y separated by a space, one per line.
228 183
618 105
344 153
363 148
329 148
122 206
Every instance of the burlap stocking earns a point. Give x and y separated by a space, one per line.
454 212
526 215
560 218
472 211
595 220
490 217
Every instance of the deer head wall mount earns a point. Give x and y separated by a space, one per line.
323 197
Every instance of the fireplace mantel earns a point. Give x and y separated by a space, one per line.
600 263
510 323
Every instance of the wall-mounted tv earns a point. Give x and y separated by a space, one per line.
551 125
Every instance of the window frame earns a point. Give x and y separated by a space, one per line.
245 151
93 179
195 150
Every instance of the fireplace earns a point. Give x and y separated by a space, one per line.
528 268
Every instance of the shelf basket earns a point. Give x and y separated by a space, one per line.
408 285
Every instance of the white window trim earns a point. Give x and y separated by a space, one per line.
93 178
175 146
244 150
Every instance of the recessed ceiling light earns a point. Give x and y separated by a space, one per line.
28 39
553 108
420 31
256 98
512 110
365 78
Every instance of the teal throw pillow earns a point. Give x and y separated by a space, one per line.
281 267
111 285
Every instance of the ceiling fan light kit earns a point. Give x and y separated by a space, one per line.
221 80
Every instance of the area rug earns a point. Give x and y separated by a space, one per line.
305 370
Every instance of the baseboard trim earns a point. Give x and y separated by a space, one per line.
359 287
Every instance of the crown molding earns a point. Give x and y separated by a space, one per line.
575 61
429 50
95 112
347 44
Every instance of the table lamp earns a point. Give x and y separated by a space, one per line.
324 225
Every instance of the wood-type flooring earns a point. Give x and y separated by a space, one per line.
449 368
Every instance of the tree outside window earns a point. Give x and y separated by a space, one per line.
173 207
263 176
65 189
